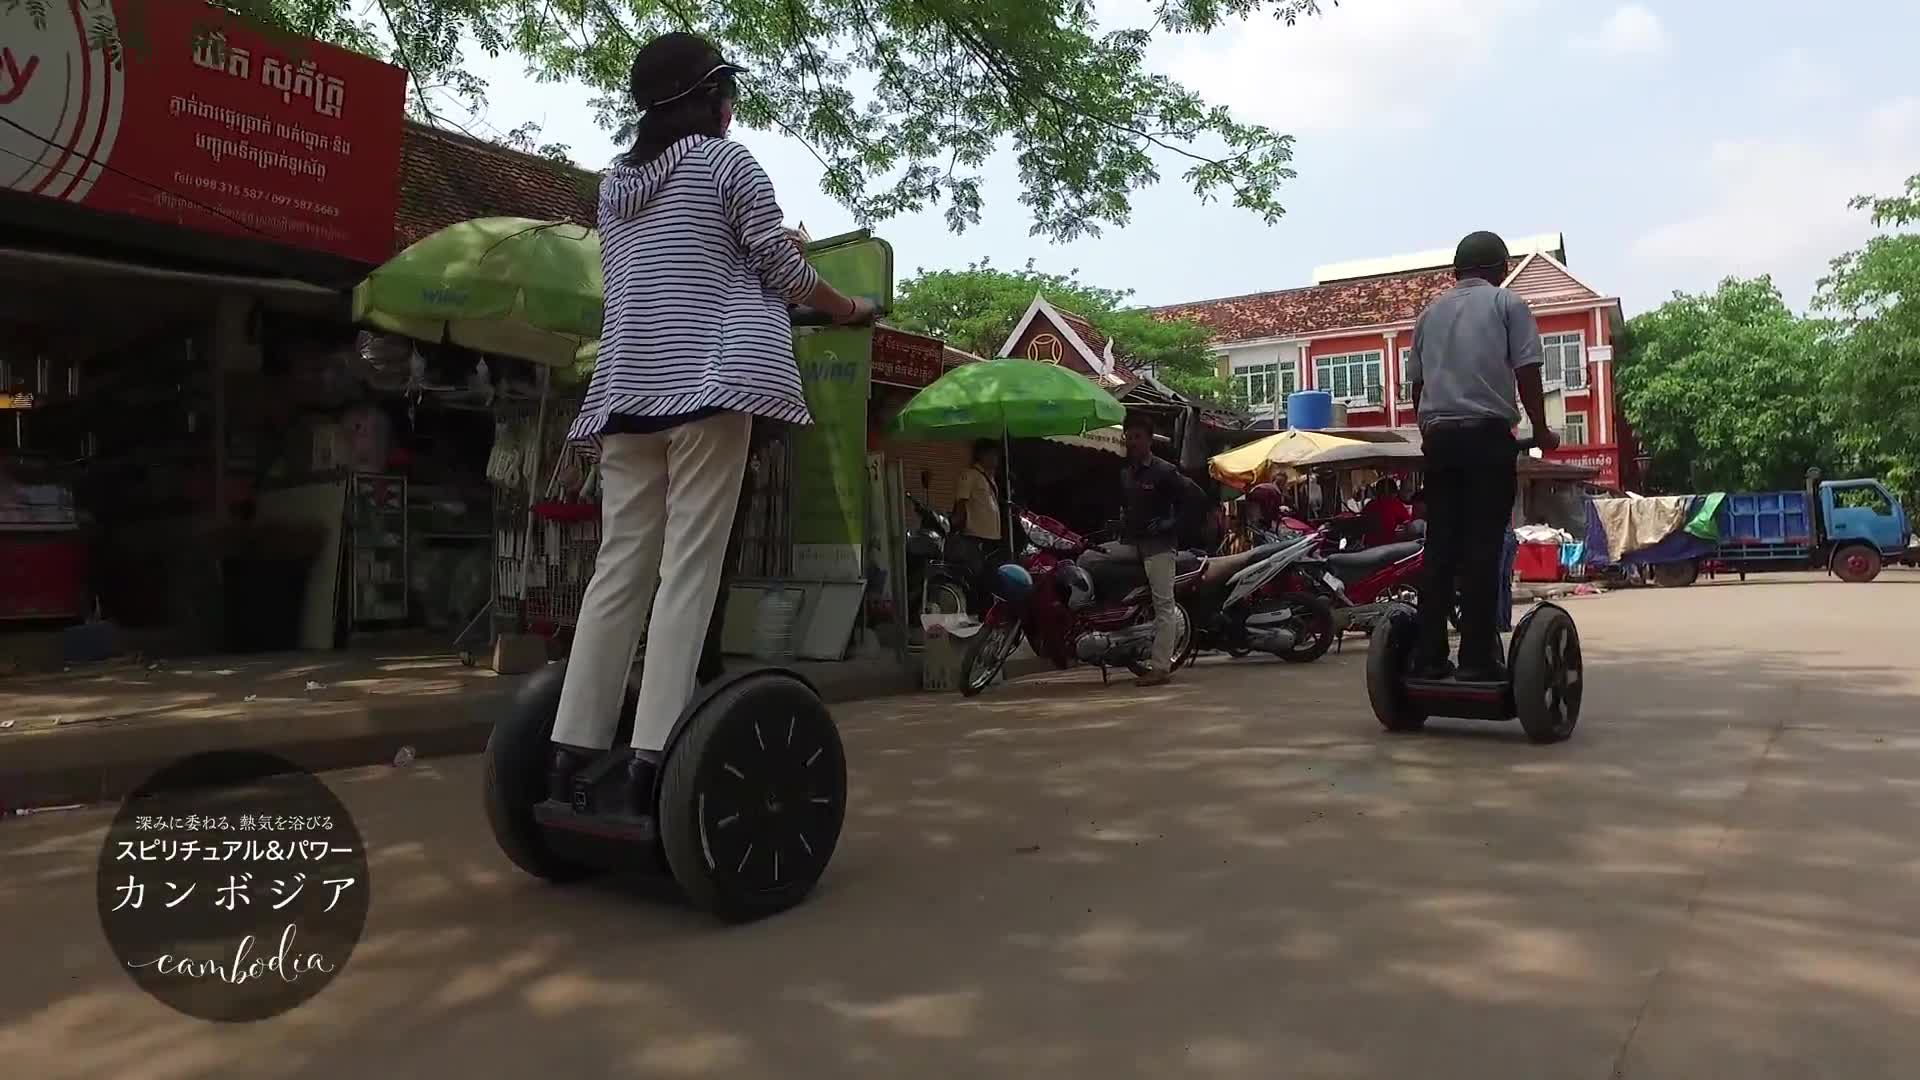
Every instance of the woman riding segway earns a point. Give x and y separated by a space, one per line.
697 343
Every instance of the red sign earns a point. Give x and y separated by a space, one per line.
1604 458
903 359
173 111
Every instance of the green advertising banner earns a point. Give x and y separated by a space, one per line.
829 474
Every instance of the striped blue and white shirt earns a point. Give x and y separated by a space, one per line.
699 272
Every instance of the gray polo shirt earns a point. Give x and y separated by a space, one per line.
1466 347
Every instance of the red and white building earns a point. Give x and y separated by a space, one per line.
1351 331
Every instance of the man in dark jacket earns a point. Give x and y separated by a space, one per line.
1156 497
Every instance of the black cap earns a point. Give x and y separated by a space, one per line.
672 66
1480 251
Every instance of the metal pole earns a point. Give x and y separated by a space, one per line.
539 446
1006 490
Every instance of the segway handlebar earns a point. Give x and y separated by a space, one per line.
806 316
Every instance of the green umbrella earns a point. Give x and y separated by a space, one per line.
507 286
1008 399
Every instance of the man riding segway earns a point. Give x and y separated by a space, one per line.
1471 347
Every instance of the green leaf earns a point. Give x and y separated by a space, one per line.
902 101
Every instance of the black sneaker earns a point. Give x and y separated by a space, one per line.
643 776
1433 670
566 764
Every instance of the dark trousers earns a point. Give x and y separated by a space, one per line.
1470 482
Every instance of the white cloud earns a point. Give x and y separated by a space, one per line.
1631 30
1373 65
1779 205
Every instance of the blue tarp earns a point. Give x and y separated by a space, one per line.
1679 547
1596 536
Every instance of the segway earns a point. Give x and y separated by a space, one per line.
751 795
749 801
1542 689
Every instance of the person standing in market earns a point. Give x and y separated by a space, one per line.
977 521
1155 498
697 343
1472 348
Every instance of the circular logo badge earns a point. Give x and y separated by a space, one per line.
63 88
1045 348
233 886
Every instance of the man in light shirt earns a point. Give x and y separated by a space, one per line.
977 520
1472 347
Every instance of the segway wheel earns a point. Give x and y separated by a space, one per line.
753 798
517 756
1389 658
1547 675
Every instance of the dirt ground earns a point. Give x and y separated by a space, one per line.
1238 875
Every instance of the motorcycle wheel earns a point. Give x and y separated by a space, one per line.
1316 632
987 654
943 597
1183 645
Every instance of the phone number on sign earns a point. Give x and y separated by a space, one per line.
243 191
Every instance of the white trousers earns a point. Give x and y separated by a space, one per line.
667 506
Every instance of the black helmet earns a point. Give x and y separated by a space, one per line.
1481 251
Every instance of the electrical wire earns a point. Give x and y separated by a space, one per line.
91 160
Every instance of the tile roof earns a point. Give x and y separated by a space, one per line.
1315 309
446 177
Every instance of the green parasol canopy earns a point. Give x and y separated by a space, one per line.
508 286
1008 399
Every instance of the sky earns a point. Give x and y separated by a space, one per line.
1672 142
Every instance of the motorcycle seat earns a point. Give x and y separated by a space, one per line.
1226 566
1116 576
1356 564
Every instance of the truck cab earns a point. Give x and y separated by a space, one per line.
1863 526
1863 511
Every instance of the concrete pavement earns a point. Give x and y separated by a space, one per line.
1235 876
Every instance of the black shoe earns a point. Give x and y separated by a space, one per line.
567 763
1495 672
1433 670
643 776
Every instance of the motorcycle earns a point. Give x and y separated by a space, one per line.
940 586
1239 606
1098 613
1362 585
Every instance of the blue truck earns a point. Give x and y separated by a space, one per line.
1850 528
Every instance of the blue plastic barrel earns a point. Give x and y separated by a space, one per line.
1310 410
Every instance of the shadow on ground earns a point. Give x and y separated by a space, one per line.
1237 876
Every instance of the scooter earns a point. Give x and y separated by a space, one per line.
1240 606
1361 585
940 586
1097 610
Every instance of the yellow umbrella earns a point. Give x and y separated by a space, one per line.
1290 452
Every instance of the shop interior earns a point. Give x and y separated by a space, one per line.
198 463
